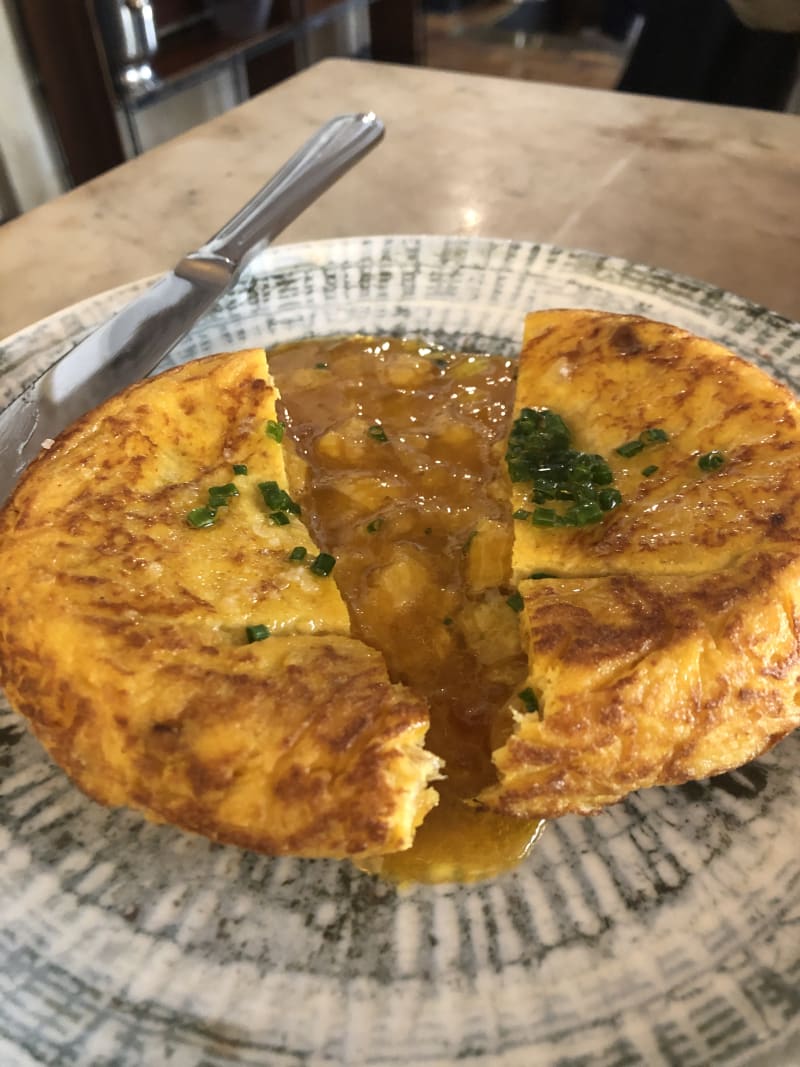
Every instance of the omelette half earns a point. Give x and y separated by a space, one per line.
662 639
178 643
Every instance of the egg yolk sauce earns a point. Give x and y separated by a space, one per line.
401 448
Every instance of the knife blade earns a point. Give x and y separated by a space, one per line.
133 342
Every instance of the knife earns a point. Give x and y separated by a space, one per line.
137 338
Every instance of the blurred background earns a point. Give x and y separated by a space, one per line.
86 84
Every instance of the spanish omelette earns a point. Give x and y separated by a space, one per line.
661 641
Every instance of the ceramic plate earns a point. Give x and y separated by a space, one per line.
664 931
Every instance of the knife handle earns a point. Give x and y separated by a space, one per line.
333 149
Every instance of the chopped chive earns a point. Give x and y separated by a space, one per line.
375 525
649 470
219 495
428 530
653 435
275 430
608 499
240 468
711 461
442 363
529 699
545 517
515 602
540 453
320 366
277 499
630 448
536 575
256 633
544 491
323 565
586 514
447 620
601 472
199 518
298 554
377 433
468 542
280 518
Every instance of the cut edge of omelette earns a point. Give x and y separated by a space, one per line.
645 681
649 665
143 685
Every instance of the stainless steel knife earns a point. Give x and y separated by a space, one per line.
137 338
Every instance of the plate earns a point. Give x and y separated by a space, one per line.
664 931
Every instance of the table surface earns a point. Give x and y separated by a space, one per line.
709 191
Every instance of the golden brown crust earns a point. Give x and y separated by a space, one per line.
122 632
612 376
667 649
293 745
651 681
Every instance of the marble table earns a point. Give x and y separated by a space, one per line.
706 190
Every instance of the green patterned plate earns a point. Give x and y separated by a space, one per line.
665 931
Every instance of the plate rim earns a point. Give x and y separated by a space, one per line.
292 251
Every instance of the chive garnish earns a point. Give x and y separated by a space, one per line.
545 517
441 363
649 470
630 448
601 472
711 461
540 452
256 633
529 699
515 602
240 468
199 518
297 555
375 525
280 518
277 499
320 366
447 620
275 430
219 495
584 514
608 499
377 433
654 435
323 565
536 575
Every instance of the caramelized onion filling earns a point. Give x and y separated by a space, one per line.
407 487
